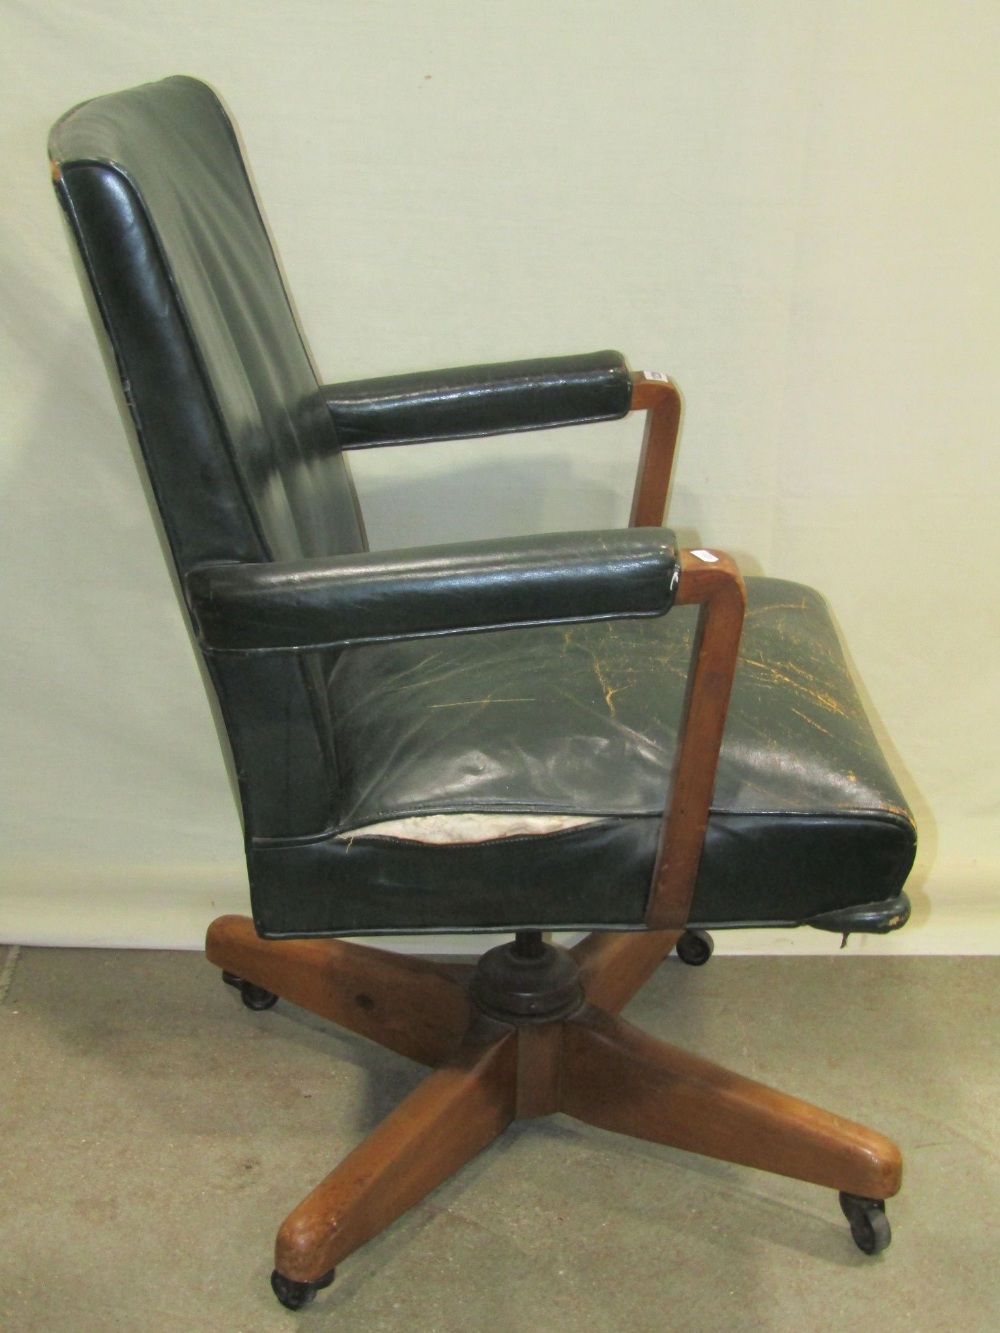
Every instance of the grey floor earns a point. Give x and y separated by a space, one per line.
154 1133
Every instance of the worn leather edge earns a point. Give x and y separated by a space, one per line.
879 918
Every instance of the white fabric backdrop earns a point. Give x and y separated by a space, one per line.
791 207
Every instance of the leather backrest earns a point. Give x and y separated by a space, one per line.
240 450
239 447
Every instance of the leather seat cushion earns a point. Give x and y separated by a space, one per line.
582 720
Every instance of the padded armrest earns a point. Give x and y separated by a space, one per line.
318 603
480 400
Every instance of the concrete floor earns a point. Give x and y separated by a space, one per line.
155 1132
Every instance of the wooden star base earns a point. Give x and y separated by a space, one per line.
589 1063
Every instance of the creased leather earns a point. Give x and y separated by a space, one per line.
480 400
433 590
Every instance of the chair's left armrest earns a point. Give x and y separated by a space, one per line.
308 604
480 400
475 401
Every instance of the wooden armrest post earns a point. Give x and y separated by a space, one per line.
661 401
716 586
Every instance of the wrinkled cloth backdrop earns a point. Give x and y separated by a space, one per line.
790 206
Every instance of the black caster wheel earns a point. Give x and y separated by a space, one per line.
294 1295
870 1228
695 947
254 997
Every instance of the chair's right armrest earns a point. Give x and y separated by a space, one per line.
300 605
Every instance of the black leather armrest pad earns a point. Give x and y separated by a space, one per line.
333 600
480 400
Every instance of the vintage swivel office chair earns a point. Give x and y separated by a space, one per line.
516 736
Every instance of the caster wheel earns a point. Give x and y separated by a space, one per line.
294 1295
870 1228
254 997
695 947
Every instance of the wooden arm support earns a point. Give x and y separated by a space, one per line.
710 580
658 396
715 585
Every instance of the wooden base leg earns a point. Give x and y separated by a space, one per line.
616 1077
404 1003
615 964
455 1113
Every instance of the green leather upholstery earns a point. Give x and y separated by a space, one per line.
538 676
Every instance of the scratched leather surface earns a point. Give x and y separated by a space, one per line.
806 817
582 719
